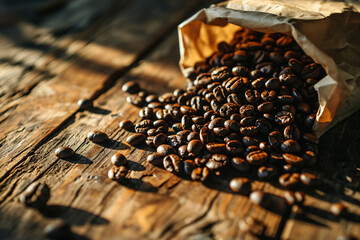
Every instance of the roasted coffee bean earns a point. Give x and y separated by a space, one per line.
312 70
64 152
239 70
214 147
151 132
183 152
187 110
311 138
290 146
142 130
294 198
36 195
337 209
249 131
221 131
217 162
267 171
126 125
146 123
240 164
289 180
194 147
85 103
247 110
293 159
234 84
165 149
266 68
215 105
177 127
117 173
234 99
151 98
248 121
265 147
196 127
220 74
309 179
156 159
131 87
284 41
295 65
234 147
97 136
228 109
265 107
155 105
206 135
184 134
260 198
172 163
159 139
310 158
240 185
175 140
237 117
135 100
250 141
58 229
277 58
284 118
200 174
136 139
268 95
252 96
275 139
309 121
292 132
232 136
289 80
239 56
146 112
257 157
118 160
189 166
276 159
192 136
258 83
220 93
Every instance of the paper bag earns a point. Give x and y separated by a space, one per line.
329 32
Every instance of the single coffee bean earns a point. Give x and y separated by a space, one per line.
159 139
265 107
257 157
237 117
221 131
234 99
200 174
194 147
240 185
273 83
36 195
183 152
292 132
309 179
206 135
248 121
252 96
265 147
267 171
228 109
126 125
131 87
259 198
337 209
85 103
192 136
97 136
220 74
247 110
249 131
240 164
155 159
294 198
232 125
146 112
234 147
118 160
160 123
117 173
275 139
290 146
136 139
214 147
217 162
310 158
64 152
165 149
189 166
293 159
284 118
289 180
172 163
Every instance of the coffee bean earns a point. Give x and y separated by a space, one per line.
284 118
126 125
136 139
309 158
214 147
220 74
267 171
172 163
265 107
155 159
337 209
64 152
309 179
228 109
290 146
217 162
292 132
289 180
249 131
293 159
259 198
294 198
240 164
85 103
240 185
206 135
247 110
200 174
248 121
232 126
131 87
252 96
36 195
275 139
257 157
135 100
189 166
217 122
118 160
193 136
97 136
311 138
194 147
117 173
221 131
165 149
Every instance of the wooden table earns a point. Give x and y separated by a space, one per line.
52 54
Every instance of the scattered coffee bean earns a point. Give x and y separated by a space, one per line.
64 152
155 159
136 139
309 179
36 195
240 185
85 103
97 136
126 125
117 173
131 87
118 160
165 149
289 180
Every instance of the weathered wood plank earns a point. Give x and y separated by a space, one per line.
83 75
151 203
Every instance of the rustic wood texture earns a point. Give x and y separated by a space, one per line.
43 72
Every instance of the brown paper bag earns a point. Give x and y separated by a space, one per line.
329 32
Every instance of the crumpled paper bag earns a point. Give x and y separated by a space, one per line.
329 32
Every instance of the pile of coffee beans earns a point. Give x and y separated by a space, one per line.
250 106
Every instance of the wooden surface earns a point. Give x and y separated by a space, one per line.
51 57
